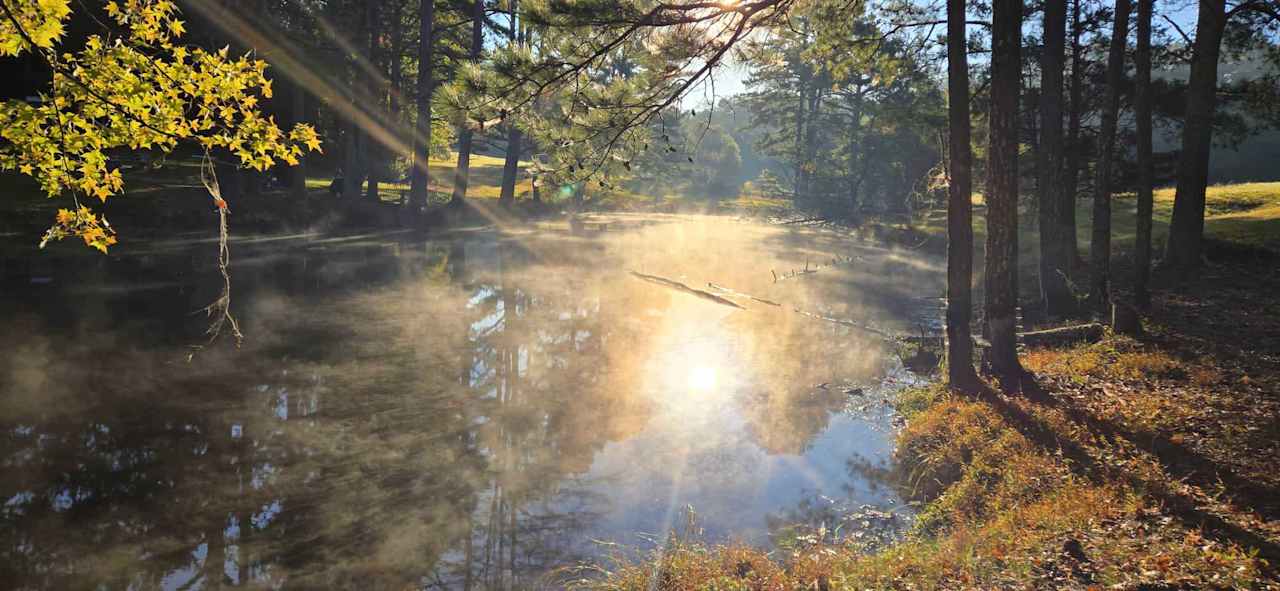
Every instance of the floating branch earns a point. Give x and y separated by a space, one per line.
809 270
676 285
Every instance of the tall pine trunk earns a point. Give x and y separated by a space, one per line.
351 177
854 175
1055 254
395 72
462 174
959 205
298 176
1002 191
353 141
418 175
800 135
1186 229
511 167
1075 147
1146 167
373 150
810 138
1100 244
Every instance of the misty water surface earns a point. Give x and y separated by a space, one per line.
478 410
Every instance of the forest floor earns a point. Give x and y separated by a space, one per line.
1145 463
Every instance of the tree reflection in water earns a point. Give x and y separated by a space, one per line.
469 413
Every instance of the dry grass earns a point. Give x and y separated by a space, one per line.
1006 512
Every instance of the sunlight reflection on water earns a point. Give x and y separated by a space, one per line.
478 410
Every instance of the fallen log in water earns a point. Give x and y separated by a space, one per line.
723 289
1080 333
1050 337
1090 332
804 221
676 285
850 323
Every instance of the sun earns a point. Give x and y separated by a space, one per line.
702 378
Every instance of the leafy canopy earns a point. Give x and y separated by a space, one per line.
138 90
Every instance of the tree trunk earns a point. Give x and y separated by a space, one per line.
1002 191
353 141
1186 229
511 167
959 206
1146 167
800 123
396 75
418 175
810 139
351 160
1055 254
298 176
854 179
373 150
1100 245
462 174
1075 148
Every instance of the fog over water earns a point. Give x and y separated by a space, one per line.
479 410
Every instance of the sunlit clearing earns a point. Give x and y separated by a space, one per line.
727 4
702 378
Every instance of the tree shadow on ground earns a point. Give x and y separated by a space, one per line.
1182 464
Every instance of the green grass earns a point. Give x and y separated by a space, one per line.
756 203
1244 213
485 180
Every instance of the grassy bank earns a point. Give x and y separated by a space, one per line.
1240 219
1244 213
485 181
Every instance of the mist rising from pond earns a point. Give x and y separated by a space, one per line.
476 410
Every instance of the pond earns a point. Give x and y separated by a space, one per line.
485 409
